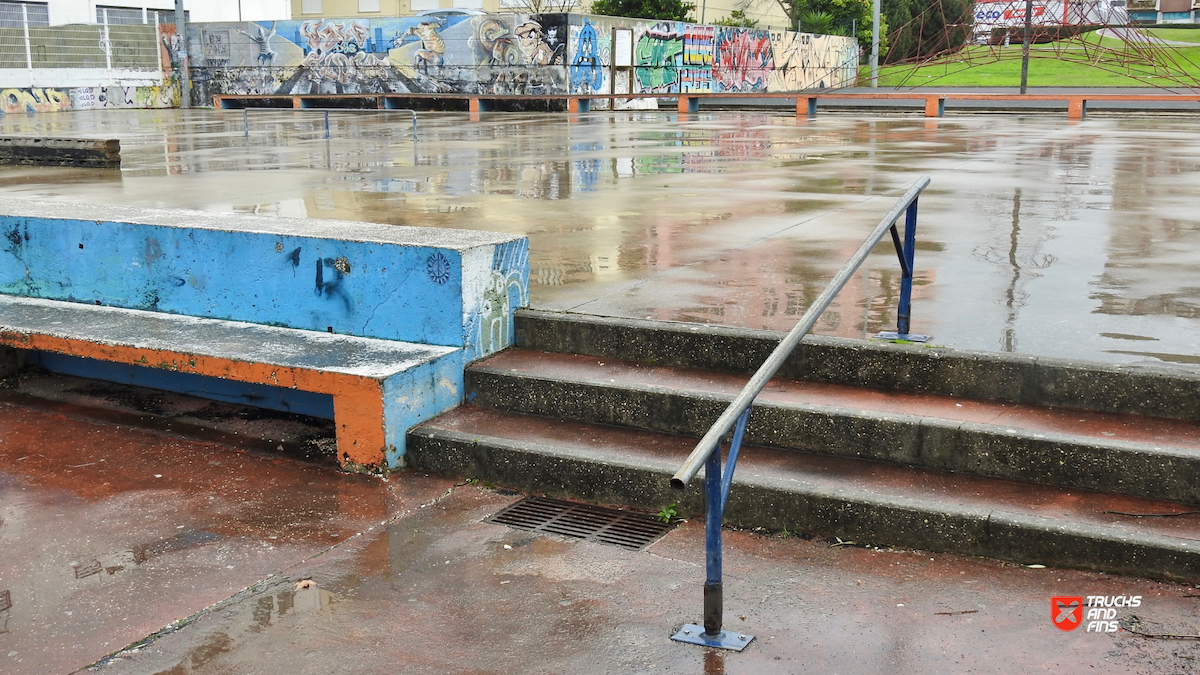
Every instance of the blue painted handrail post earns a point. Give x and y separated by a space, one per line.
716 494
904 311
713 515
906 252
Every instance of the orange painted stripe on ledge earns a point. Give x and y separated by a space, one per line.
357 400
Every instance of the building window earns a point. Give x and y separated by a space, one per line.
167 16
119 15
14 14
311 7
368 5
423 5
468 4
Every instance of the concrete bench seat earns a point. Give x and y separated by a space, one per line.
371 381
372 323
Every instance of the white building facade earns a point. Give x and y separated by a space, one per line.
125 12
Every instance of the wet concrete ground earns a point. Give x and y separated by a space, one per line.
1043 237
145 552
1038 235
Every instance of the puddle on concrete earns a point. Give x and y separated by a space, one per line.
1037 235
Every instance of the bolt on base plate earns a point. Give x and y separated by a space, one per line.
907 337
695 635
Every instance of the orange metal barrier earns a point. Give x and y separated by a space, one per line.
689 102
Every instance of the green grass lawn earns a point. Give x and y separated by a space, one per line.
1176 34
1068 65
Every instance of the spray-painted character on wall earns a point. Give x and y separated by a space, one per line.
586 75
266 55
432 46
531 40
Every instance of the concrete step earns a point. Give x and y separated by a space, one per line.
862 501
1117 453
1156 390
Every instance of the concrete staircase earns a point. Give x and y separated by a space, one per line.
1021 458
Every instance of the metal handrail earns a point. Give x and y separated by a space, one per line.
246 117
775 361
707 452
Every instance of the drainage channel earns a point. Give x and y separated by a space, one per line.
633 531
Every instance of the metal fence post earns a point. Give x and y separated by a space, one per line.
28 47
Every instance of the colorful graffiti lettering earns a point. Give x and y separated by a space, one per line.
658 58
586 73
742 60
34 100
805 61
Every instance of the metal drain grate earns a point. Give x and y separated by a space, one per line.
634 531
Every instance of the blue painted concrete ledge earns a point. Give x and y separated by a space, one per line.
434 286
452 288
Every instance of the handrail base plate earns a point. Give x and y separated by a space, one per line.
694 634
907 337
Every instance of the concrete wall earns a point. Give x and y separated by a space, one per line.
499 54
455 288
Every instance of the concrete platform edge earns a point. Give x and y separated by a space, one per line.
1159 391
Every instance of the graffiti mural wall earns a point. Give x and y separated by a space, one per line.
509 54
483 54
675 57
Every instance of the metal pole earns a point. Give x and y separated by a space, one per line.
326 124
713 601
28 49
246 121
875 44
904 311
185 78
1025 45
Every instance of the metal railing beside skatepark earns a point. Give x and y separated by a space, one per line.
707 453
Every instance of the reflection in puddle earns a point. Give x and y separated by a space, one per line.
1036 237
1168 358
254 617
112 563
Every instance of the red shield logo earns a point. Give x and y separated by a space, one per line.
1067 612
